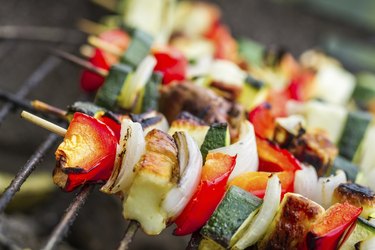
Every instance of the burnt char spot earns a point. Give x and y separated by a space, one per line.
352 190
292 226
190 117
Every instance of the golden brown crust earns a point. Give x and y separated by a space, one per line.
161 155
316 149
291 224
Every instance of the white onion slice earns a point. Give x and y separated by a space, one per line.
141 75
161 125
326 186
190 163
306 182
129 151
245 149
368 244
263 219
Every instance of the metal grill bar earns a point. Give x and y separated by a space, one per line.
67 220
47 66
25 171
129 235
19 102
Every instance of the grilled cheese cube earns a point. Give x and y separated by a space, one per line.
356 195
316 149
156 173
291 223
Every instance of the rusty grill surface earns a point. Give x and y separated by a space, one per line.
12 101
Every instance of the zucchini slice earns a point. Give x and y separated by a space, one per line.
216 137
236 206
363 230
353 133
114 82
138 49
151 93
350 169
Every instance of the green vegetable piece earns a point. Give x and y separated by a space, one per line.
138 49
216 137
108 93
228 217
88 108
151 93
362 231
354 131
350 169
251 51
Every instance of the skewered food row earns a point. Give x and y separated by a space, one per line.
161 178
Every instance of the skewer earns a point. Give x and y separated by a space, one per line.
44 123
133 225
129 235
76 60
90 27
47 108
87 50
104 45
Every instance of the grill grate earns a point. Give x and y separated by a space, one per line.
18 101
67 220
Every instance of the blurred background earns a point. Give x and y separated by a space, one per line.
29 28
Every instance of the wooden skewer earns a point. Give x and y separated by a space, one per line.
44 123
87 50
104 45
81 62
44 107
90 27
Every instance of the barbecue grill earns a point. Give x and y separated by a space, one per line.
21 56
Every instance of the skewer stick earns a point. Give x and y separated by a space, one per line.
44 123
81 62
104 45
86 50
90 27
129 235
47 108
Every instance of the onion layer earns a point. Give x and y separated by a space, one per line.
245 149
263 219
190 163
129 151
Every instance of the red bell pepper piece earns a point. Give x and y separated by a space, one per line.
112 124
172 63
225 44
300 87
274 159
263 120
337 222
91 81
256 182
86 155
211 189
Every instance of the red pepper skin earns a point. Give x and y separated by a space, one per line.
300 87
274 159
172 63
256 182
263 120
215 174
225 44
91 81
337 223
112 124
87 154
